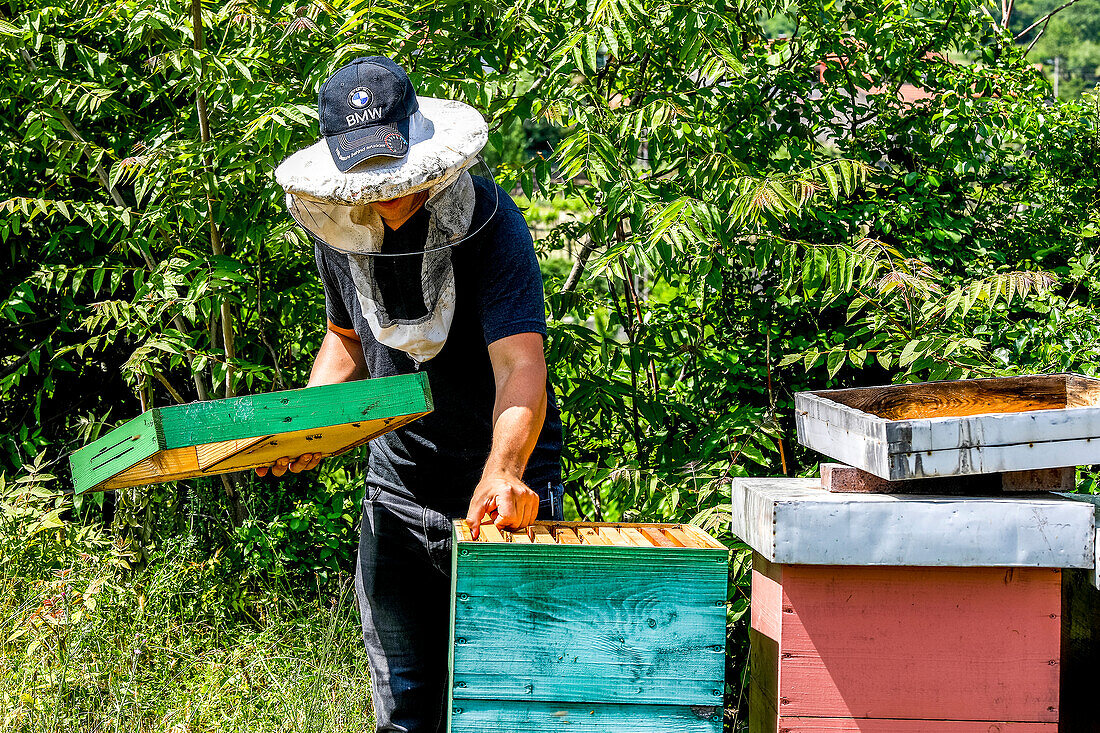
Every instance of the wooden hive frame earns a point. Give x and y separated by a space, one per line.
241 433
621 534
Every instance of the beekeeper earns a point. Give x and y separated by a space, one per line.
426 265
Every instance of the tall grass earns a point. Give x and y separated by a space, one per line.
179 647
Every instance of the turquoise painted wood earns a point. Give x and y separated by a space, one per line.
522 716
555 637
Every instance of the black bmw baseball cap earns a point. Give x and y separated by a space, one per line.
364 109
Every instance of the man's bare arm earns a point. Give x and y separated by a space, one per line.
519 369
340 359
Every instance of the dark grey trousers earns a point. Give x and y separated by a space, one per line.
403 586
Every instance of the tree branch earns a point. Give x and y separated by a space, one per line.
171 390
1042 22
215 236
578 266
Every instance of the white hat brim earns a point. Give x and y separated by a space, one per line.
444 136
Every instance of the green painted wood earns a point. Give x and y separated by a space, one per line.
118 450
255 416
491 716
586 638
386 399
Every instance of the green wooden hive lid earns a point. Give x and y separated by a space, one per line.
220 436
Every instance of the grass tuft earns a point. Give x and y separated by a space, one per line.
179 647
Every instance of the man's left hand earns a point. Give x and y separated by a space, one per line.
506 500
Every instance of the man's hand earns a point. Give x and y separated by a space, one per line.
340 359
504 499
306 462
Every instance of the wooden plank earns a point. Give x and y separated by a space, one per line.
675 542
641 537
920 643
519 537
763 674
118 450
1082 391
612 535
587 565
795 521
879 725
702 539
566 536
542 534
614 683
838 478
654 537
490 533
765 626
462 531
382 398
681 536
490 716
1080 648
590 536
1043 479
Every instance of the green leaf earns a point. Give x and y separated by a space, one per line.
813 272
831 181
910 353
790 359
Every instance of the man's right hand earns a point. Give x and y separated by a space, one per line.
305 462
340 359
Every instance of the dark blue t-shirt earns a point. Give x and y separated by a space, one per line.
437 460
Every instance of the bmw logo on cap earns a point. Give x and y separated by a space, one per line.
360 98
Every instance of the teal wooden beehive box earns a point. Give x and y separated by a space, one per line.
614 628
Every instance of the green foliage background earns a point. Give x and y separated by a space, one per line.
743 218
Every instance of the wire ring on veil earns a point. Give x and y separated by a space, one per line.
296 212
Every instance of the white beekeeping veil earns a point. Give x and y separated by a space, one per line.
445 138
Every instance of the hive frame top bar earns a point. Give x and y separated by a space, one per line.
595 534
